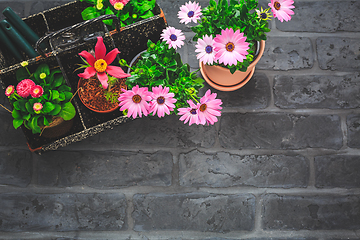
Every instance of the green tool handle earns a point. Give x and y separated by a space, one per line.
21 26
19 41
7 44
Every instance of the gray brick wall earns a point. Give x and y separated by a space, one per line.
282 163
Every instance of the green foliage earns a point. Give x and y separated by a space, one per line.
238 15
111 96
133 11
161 65
55 100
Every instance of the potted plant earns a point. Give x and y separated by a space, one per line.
161 84
231 37
127 11
100 84
41 100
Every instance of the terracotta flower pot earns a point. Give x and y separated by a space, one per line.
221 78
92 95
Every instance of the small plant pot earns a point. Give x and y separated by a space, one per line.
92 95
58 127
221 78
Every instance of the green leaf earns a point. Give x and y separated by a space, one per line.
34 125
67 111
21 74
17 123
48 107
58 80
56 110
148 14
68 96
20 105
90 13
64 88
27 117
29 107
16 114
123 17
46 122
61 97
55 94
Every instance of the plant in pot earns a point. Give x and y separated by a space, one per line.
101 83
161 84
127 11
231 37
40 101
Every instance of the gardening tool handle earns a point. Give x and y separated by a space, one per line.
75 26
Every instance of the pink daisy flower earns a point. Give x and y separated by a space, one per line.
282 9
205 49
113 2
189 12
36 91
100 64
230 47
189 114
209 108
135 101
162 101
24 87
174 37
9 90
37 107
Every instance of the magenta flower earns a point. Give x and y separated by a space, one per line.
100 64
9 90
230 47
189 12
117 3
24 87
36 91
173 37
189 114
162 101
209 108
135 101
205 49
282 9
37 107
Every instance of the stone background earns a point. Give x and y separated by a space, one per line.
282 163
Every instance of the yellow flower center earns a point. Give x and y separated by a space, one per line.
230 47
42 75
277 5
136 98
118 6
36 91
203 107
9 90
100 65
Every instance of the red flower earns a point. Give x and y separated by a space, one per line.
36 91
100 64
24 87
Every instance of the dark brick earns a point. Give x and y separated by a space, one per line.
334 92
323 16
223 169
279 131
104 169
160 132
14 137
15 168
353 129
39 6
62 212
325 212
287 54
337 171
254 95
338 53
195 211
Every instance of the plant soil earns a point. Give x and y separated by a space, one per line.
92 93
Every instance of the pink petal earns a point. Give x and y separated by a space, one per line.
100 49
88 57
110 57
116 72
103 78
88 73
